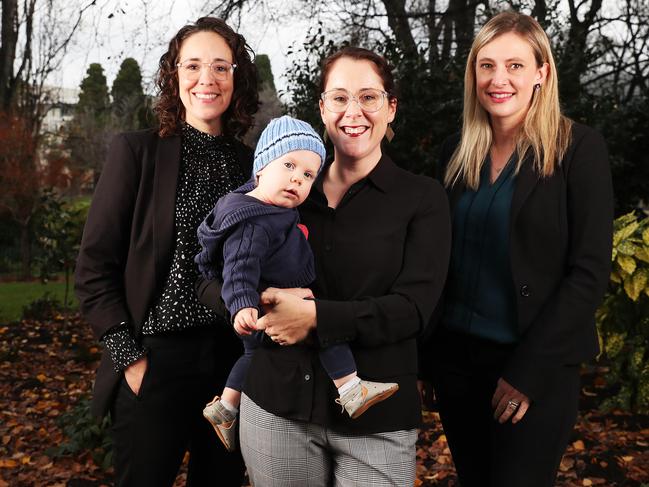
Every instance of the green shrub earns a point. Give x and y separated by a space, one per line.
623 319
85 434
44 308
58 230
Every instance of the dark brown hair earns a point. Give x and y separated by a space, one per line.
382 67
238 118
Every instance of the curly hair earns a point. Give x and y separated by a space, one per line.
239 116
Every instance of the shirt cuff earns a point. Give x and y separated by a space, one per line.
336 322
121 346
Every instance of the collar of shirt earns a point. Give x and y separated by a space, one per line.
201 140
380 177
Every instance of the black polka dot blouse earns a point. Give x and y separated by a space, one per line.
208 170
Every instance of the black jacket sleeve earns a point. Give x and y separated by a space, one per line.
209 293
99 273
566 322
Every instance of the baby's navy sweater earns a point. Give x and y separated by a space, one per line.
252 245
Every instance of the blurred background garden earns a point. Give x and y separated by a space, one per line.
55 129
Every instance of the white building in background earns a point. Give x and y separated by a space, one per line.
60 108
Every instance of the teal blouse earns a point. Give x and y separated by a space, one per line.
481 299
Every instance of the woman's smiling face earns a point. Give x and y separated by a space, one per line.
205 99
356 134
506 73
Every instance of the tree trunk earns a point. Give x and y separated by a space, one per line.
574 60
8 51
433 34
65 296
462 13
25 250
540 13
398 21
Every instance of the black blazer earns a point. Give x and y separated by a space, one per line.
560 250
127 243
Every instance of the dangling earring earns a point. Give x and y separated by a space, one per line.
325 137
537 86
389 133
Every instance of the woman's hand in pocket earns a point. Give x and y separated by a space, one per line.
134 374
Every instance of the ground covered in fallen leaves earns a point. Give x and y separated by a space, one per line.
47 439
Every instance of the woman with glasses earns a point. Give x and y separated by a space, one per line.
532 205
165 353
381 239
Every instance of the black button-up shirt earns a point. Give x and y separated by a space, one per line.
381 260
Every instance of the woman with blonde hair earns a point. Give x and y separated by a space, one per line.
532 205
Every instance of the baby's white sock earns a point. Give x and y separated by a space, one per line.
233 409
349 385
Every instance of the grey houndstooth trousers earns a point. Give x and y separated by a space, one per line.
281 452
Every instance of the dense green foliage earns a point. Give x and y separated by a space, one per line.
623 319
86 135
128 81
625 129
94 97
269 105
130 110
264 71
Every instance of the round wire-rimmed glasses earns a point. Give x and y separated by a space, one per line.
191 69
369 100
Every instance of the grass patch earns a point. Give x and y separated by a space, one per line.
15 295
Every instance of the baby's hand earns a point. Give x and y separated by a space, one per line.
245 320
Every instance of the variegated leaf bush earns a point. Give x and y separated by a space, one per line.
623 318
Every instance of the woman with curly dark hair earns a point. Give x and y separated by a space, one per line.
165 353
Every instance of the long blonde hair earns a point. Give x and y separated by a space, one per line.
545 131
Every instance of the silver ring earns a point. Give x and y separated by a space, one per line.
513 404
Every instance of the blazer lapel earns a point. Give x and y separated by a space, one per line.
167 166
526 180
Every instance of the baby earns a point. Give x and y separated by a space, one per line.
253 240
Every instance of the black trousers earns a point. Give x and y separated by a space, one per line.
153 430
485 452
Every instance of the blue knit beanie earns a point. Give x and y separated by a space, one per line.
286 134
